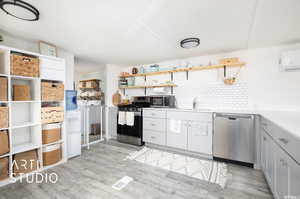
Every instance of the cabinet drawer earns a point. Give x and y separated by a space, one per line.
155 124
154 113
52 64
155 137
288 142
268 126
192 116
51 74
282 137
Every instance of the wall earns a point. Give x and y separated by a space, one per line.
112 73
261 84
112 78
32 46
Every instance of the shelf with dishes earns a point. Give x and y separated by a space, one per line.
148 86
194 68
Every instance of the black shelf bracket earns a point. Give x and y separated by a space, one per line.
187 75
145 90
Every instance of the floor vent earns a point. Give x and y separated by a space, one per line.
122 183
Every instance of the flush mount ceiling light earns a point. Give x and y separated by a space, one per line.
190 42
20 10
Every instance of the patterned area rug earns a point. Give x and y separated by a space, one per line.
207 170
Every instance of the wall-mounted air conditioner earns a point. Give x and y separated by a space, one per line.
290 60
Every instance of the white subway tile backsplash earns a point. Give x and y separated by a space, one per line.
219 95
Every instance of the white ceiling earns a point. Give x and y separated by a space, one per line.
147 31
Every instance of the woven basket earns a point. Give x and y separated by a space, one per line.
3 117
52 114
52 91
25 66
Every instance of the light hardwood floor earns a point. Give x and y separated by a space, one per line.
92 175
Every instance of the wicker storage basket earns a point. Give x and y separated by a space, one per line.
25 162
3 117
52 91
4 168
51 133
52 154
25 66
21 93
92 83
4 142
52 115
3 89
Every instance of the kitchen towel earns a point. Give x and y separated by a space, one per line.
122 118
175 126
130 118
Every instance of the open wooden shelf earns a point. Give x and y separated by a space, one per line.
195 68
151 86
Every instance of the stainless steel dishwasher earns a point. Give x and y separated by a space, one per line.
234 138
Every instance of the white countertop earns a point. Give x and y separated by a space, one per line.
207 110
287 120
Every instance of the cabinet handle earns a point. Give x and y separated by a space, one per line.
283 140
152 124
152 137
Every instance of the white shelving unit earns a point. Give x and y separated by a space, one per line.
25 127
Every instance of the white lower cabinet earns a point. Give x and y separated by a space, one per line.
189 131
177 131
281 169
268 159
154 127
154 137
294 179
281 174
200 137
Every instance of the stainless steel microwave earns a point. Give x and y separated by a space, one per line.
164 101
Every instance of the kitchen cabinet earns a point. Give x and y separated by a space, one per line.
52 69
155 124
154 113
268 158
282 174
294 169
280 167
200 137
190 131
154 137
177 131
154 127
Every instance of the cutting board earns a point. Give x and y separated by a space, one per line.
116 99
